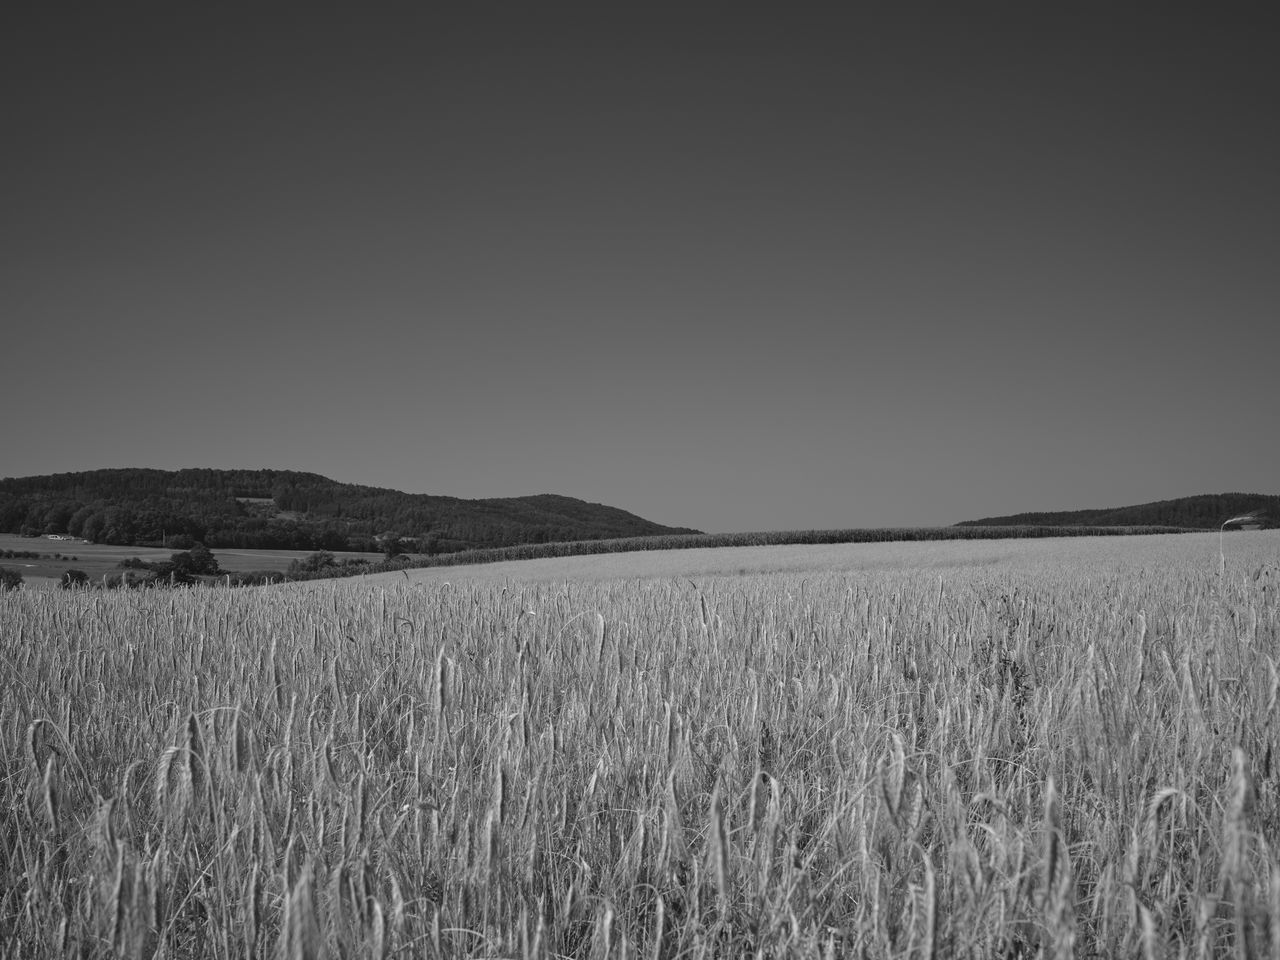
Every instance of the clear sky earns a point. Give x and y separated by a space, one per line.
727 270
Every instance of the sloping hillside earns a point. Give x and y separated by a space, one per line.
286 509
1206 511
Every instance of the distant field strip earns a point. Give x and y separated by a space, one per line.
694 541
690 544
984 749
937 555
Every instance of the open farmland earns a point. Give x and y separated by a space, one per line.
971 749
859 558
54 557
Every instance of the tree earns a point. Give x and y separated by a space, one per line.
332 539
10 579
198 560
203 560
120 526
93 526
75 526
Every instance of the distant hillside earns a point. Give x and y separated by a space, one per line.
1206 511
286 509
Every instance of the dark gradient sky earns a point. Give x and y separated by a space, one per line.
726 270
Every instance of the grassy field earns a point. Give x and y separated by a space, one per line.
99 559
974 749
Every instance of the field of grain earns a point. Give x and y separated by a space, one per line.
979 749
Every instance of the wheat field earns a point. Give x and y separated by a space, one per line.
1045 749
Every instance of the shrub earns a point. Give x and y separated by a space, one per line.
10 579
74 578
313 562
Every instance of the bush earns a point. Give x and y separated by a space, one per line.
313 563
10 579
74 578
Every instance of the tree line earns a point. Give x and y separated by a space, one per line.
1203 512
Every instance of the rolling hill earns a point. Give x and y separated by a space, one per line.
286 509
1203 512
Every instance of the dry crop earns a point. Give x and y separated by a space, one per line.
1006 761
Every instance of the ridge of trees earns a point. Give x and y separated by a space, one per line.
292 510
1205 511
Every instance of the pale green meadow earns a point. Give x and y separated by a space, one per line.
993 748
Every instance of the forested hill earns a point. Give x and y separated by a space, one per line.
1206 511
285 509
